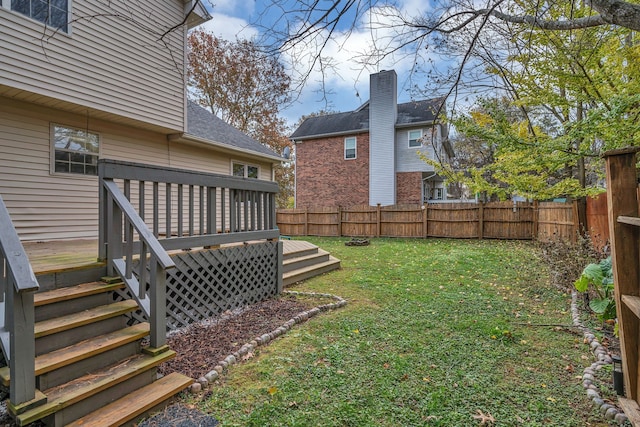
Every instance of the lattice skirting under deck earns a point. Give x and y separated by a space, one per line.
208 282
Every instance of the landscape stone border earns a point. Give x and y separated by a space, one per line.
609 411
204 381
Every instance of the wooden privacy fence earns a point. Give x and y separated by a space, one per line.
497 220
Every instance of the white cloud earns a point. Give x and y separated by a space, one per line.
229 27
349 56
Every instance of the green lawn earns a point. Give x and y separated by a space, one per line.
435 332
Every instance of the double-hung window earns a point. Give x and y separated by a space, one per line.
350 147
245 171
415 138
75 150
54 13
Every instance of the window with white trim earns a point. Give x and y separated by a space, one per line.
74 150
350 147
415 138
54 13
245 171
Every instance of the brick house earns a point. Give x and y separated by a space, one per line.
370 156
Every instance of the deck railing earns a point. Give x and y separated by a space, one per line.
148 210
17 318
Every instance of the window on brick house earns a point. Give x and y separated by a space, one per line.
350 147
415 138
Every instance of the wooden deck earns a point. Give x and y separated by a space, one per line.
61 255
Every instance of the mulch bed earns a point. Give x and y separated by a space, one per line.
201 346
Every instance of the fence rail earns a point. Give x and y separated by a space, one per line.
498 220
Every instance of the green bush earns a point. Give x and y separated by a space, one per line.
600 278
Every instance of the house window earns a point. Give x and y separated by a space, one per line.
350 147
414 138
54 13
245 171
437 193
75 150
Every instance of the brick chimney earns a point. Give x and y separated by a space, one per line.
383 112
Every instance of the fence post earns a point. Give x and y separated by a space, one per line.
306 221
339 221
536 213
576 222
481 220
425 219
378 221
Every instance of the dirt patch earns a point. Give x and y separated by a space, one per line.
201 346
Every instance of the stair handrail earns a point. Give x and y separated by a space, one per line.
151 255
18 284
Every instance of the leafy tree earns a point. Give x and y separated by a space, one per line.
246 88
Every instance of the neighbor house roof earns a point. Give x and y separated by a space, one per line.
409 114
207 128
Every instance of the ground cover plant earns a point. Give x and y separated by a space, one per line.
436 332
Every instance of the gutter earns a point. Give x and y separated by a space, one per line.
195 140
356 131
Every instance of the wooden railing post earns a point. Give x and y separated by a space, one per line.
158 307
621 199
21 313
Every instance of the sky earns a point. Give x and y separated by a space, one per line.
347 82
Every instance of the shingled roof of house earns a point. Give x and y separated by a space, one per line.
409 113
201 123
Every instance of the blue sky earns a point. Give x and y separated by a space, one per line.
348 80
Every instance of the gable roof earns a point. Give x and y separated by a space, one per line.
409 114
203 125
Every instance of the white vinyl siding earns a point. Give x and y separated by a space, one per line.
108 64
46 206
407 159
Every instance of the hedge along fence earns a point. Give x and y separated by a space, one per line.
496 220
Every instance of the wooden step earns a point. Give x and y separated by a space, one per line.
64 396
73 292
130 407
70 321
298 248
305 261
83 350
312 271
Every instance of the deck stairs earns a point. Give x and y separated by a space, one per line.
303 260
91 367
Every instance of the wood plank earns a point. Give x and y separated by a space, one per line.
622 201
82 350
69 293
630 220
127 408
91 384
64 323
631 410
633 303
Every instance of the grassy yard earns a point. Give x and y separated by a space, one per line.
435 333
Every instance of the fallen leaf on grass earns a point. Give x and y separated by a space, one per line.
272 390
485 419
247 356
